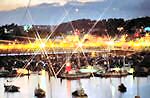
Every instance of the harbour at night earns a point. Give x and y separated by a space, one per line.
74 49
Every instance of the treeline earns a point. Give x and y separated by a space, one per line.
11 32
110 27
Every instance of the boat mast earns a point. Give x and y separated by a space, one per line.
79 60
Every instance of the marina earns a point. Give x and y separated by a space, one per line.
75 49
93 87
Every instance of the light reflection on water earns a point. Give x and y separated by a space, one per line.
94 87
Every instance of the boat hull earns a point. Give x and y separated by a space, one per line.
75 94
11 88
39 93
75 76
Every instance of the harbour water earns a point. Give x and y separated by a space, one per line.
94 87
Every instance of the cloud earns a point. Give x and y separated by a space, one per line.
84 1
9 5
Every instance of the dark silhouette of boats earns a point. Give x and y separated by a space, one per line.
122 88
140 72
79 94
115 74
11 88
38 92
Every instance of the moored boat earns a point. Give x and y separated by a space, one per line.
115 73
79 94
4 73
38 92
122 88
73 73
73 76
11 88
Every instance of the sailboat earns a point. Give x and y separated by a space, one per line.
79 93
11 88
122 88
38 92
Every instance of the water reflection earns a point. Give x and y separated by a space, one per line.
94 87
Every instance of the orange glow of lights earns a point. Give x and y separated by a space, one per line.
42 45
88 41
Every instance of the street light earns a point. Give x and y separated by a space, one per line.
42 45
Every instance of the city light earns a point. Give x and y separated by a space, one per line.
71 42
42 45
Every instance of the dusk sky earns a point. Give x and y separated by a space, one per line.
58 11
9 5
